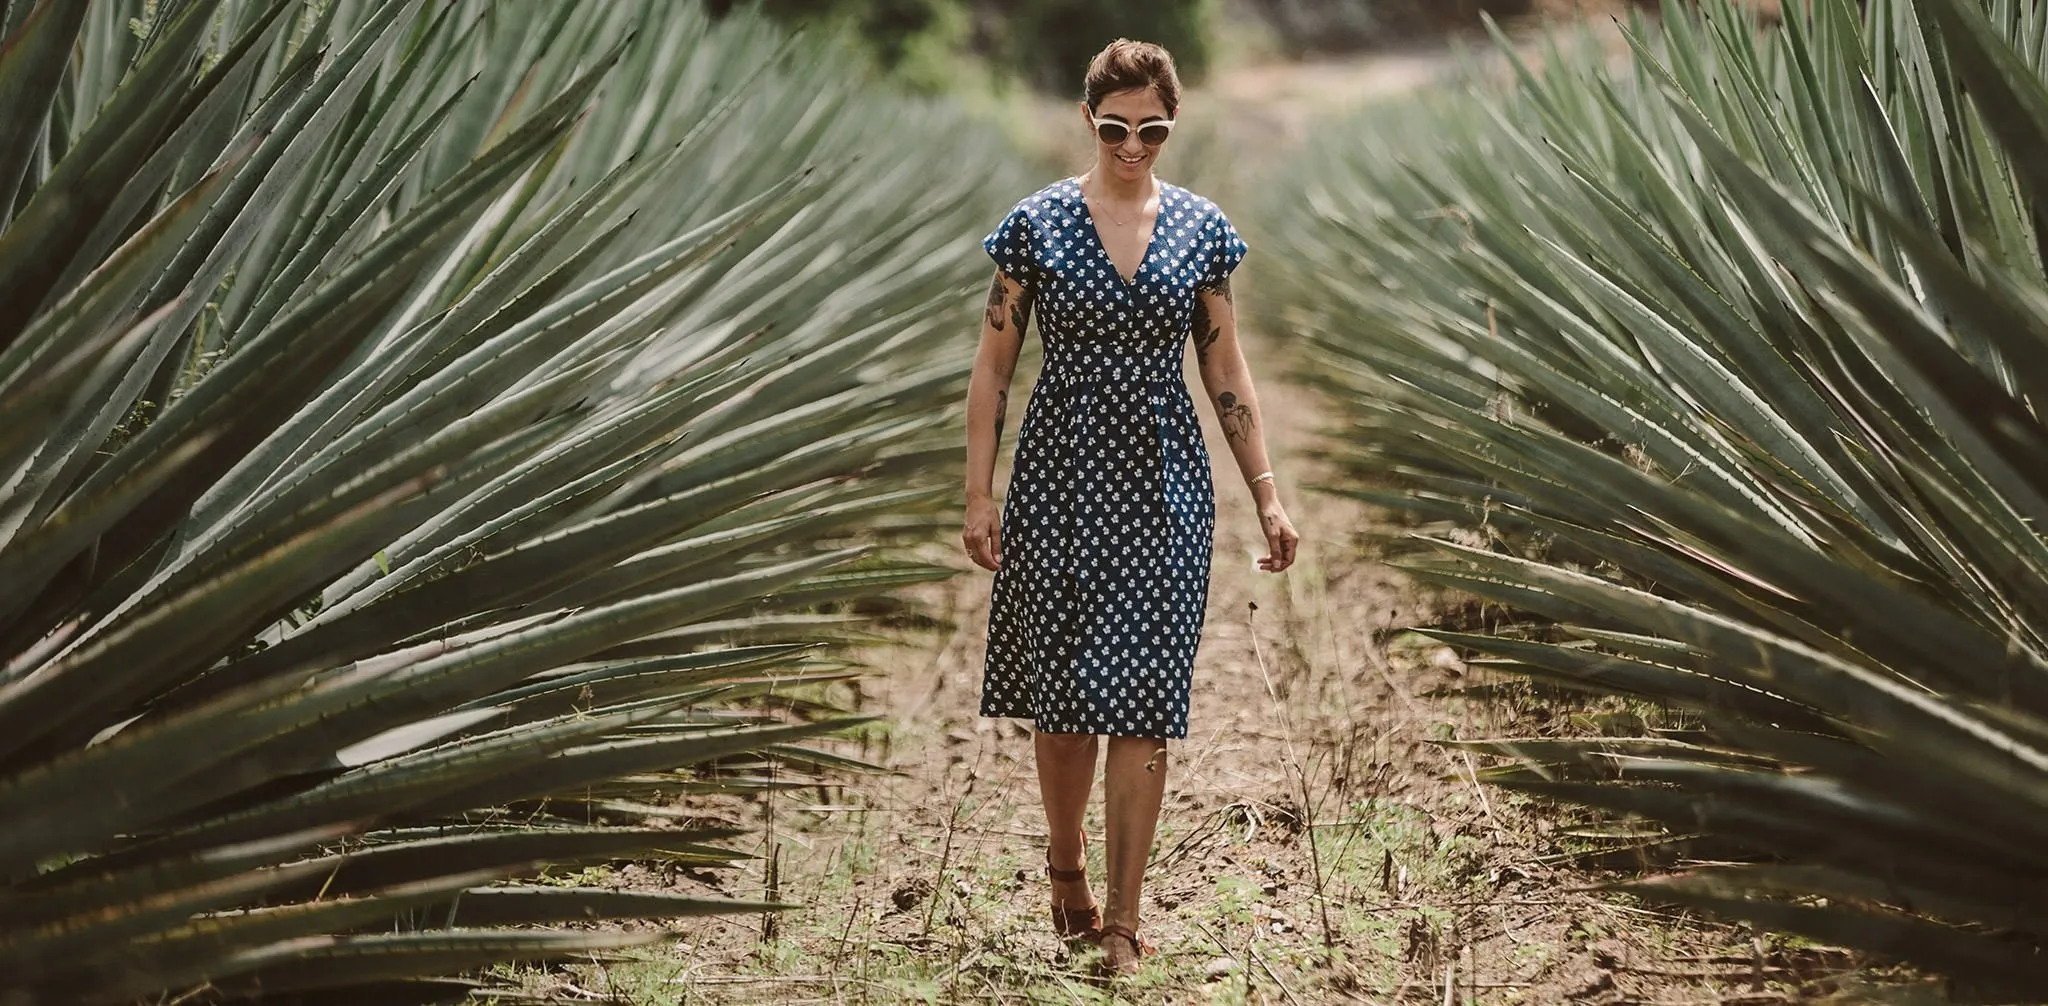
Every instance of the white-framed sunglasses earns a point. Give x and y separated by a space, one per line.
1115 131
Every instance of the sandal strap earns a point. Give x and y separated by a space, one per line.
1077 922
1066 876
1138 943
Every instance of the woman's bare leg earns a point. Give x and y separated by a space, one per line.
1134 785
1066 777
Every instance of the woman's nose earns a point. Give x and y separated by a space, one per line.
1132 146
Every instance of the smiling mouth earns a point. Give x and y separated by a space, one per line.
1131 160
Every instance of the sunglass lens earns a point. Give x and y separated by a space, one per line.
1153 135
1112 132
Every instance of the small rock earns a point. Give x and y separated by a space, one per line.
909 893
1218 969
1269 888
1589 984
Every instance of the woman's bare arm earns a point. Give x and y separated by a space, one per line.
988 405
1228 380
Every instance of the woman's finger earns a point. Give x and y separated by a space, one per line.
976 541
1282 542
995 548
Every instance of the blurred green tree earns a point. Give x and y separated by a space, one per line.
1051 41
888 26
1044 42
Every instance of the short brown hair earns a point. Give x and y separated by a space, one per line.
1125 64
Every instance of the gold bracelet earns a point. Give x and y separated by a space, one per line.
1263 477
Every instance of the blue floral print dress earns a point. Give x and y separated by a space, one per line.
1110 514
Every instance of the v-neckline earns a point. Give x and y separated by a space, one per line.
1145 256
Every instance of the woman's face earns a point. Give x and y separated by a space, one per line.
1131 160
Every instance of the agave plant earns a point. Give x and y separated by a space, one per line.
426 429
1727 366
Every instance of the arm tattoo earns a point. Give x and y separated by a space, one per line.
1002 411
1206 333
998 302
1236 417
1020 311
1221 286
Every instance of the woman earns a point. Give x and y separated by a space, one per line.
1102 554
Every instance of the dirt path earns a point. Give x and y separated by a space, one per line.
1317 846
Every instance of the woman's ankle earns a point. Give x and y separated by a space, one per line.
1069 855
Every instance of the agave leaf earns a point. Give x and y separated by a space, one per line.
267 378
2002 968
36 952
100 301
266 739
525 906
511 853
1741 338
427 784
449 345
34 702
75 893
491 367
270 573
622 680
113 968
344 961
525 571
39 243
37 555
32 56
315 425
2014 103
331 235
1617 674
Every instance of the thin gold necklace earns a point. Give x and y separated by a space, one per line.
1124 223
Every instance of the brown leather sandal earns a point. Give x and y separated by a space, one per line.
1073 923
1143 946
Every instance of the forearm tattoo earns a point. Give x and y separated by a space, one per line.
1205 329
1002 411
1236 417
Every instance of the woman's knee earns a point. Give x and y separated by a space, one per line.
1150 750
1066 744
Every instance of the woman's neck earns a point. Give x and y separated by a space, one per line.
1107 185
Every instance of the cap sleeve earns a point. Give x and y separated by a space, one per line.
1226 250
1014 246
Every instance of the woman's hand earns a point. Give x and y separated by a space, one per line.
983 535
1280 537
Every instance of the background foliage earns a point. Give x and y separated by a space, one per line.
431 435
1045 43
1722 371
